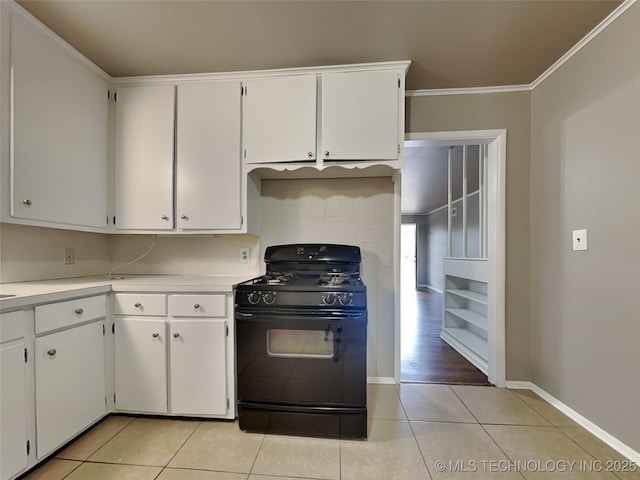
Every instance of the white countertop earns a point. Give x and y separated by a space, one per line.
45 291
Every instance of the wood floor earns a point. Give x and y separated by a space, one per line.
425 357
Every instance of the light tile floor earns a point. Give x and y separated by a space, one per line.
416 431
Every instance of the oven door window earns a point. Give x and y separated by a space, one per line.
300 343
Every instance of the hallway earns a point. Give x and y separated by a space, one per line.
425 357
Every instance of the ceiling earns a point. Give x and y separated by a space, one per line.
451 43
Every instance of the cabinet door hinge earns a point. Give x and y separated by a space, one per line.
398 148
28 447
26 356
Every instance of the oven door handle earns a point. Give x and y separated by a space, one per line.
271 316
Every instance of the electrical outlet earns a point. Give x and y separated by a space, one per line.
69 256
245 255
580 239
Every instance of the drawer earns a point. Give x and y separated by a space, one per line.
197 305
11 326
141 304
64 314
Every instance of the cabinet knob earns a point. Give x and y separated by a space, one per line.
184 217
155 335
176 335
196 306
326 153
52 352
164 217
138 305
310 154
79 311
26 202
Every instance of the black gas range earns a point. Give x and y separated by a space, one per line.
301 333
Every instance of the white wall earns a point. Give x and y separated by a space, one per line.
196 255
34 253
349 211
585 173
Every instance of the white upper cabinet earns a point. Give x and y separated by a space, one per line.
208 163
279 119
58 133
360 116
144 157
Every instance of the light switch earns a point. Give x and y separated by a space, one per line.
580 239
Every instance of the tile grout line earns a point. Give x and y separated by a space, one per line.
483 428
164 467
415 439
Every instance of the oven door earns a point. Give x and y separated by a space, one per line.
307 364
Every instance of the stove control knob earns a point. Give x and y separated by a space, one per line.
253 297
269 298
329 299
346 299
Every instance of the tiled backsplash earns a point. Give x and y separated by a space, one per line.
350 211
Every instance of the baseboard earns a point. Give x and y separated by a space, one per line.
603 435
437 290
381 380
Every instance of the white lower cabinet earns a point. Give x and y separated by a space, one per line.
176 362
69 382
13 396
197 353
140 364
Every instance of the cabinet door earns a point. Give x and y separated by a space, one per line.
141 368
198 367
70 384
59 133
279 119
144 157
208 156
13 414
360 116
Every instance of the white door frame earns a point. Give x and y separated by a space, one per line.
496 195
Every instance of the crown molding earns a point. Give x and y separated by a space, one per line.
623 7
467 91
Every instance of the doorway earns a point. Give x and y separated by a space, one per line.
413 299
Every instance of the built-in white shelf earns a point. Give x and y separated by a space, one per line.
471 295
465 305
471 341
469 316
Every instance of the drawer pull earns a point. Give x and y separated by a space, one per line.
196 306
79 311
52 352
155 335
138 305
176 335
